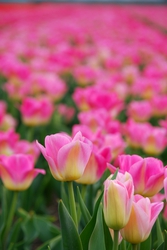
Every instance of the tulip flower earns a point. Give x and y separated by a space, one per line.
95 167
142 218
165 188
67 157
147 173
36 111
118 197
154 141
140 111
17 171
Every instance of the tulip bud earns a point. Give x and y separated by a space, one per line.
118 197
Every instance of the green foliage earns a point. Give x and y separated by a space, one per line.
70 237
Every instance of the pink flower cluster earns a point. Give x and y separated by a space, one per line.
118 77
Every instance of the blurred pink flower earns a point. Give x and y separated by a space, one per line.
140 111
66 112
36 111
154 141
8 141
159 105
134 131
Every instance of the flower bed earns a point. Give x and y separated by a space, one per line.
83 127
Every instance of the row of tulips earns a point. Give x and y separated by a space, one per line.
95 94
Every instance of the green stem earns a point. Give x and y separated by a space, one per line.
135 247
10 217
123 245
72 202
83 191
116 235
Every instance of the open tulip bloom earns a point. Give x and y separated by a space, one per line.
142 218
147 173
17 171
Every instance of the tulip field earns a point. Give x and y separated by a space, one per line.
83 127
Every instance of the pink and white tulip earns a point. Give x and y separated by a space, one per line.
67 157
118 197
147 173
96 166
17 171
142 218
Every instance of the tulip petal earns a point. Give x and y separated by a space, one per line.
72 159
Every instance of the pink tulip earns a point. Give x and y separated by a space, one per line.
118 197
36 111
165 188
140 111
67 157
163 123
28 148
142 218
134 132
17 171
147 173
159 105
154 140
96 166
116 144
8 141
66 112
8 122
85 75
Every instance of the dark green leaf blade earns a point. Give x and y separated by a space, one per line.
97 240
70 236
87 231
84 210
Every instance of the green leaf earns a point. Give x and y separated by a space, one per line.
30 232
50 243
87 231
146 244
160 237
115 175
97 240
84 210
107 236
45 228
70 236
15 231
165 237
162 246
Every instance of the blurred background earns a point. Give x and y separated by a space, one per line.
88 1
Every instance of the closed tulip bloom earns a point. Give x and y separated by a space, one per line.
118 197
142 218
17 171
67 157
